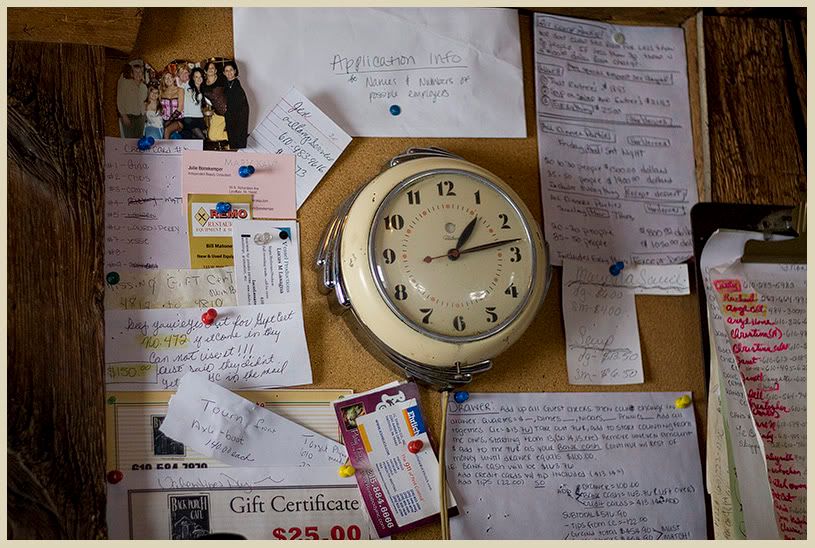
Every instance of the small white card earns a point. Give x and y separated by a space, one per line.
217 423
267 261
245 347
642 279
602 338
296 126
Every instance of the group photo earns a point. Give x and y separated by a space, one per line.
184 100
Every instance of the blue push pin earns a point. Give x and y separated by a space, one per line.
284 234
145 143
246 171
176 135
616 268
395 110
223 207
461 396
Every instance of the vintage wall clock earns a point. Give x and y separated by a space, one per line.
440 262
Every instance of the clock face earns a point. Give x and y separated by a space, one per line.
452 255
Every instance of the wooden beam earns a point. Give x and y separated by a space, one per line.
756 94
114 28
673 17
56 485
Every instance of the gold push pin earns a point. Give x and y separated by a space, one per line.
682 402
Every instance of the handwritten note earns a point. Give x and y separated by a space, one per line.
575 466
267 261
246 347
296 126
272 183
377 72
758 316
641 279
145 224
614 140
172 288
600 319
217 423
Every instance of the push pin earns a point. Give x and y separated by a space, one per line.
682 402
616 268
246 171
223 208
115 476
415 446
461 396
395 110
284 234
209 316
346 471
112 278
146 143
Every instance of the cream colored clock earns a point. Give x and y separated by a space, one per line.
441 263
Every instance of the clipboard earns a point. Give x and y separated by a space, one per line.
707 218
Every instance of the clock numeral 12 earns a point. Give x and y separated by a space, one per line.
445 188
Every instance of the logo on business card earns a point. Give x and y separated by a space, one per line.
413 418
162 445
189 516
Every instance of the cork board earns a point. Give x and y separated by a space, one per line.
669 326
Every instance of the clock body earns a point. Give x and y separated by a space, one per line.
441 263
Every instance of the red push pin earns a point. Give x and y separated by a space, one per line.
415 446
115 476
209 316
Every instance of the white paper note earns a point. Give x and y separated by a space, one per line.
575 466
600 319
758 317
267 266
614 140
296 126
246 347
450 72
145 224
258 503
641 279
217 423
172 288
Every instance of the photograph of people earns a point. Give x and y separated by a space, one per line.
130 94
237 108
194 126
172 103
216 99
154 124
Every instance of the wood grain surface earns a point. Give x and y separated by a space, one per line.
114 28
756 92
56 485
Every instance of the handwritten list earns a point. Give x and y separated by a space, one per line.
575 466
600 320
246 347
760 328
614 140
145 225
172 288
296 126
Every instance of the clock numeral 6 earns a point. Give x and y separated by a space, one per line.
446 188
389 255
394 222
516 255
492 317
458 323
427 312
512 291
400 292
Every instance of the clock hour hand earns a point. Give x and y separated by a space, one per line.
466 233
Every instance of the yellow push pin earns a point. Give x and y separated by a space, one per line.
346 471
683 402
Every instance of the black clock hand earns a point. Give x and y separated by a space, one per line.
466 233
490 245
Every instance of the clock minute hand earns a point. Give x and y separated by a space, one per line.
490 245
